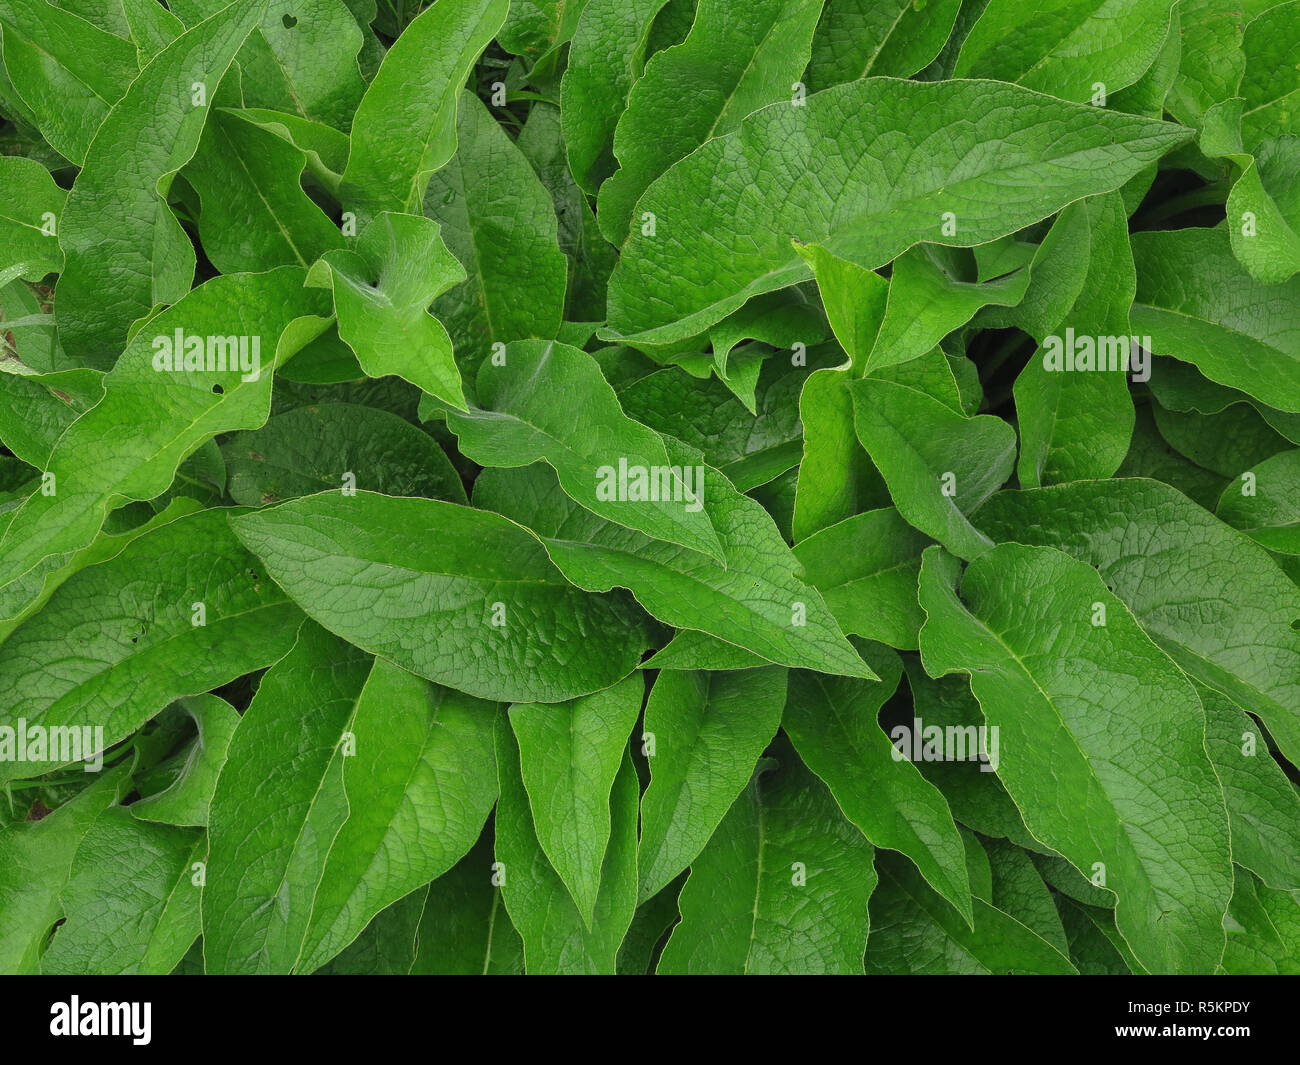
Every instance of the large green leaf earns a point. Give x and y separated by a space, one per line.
1199 305
255 214
125 251
29 220
703 736
382 292
465 930
1184 550
1086 698
405 125
557 939
605 59
755 601
462 597
914 931
132 900
570 755
311 449
120 640
1066 47
67 71
419 787
866 568
1263 808
781 887
502 228
734 61
894 38
611 465
832 723
866 205
170 411
35 862
278 805
939 464
1077 423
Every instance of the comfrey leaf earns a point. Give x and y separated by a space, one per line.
1105 815
853 136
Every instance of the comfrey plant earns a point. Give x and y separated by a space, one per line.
677 486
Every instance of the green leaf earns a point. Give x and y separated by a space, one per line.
1197 304
975 796
187 799
35 862
381 296
170 411
465 930
894 38
305 63
1262 927
590 258
1263 503
311 449
36 409
570 755
1091 694
131 899
255 214
120 640
67 71
613 466
556 938
929 297
755 602
703 735
781 887
1213 61
1263 808
424 581
837 479
1077 423
1270 83
503 231
278 805
733 61
125 251
405 126
388 944
1065 47
832 723
1237 586
419 788
939 464
605 60
1019 889
29 220
534 27
855 299
914 931
1049 153
707 415
866 568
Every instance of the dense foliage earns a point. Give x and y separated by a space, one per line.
650 486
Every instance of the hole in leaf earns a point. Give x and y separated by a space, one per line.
218 390
289 22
